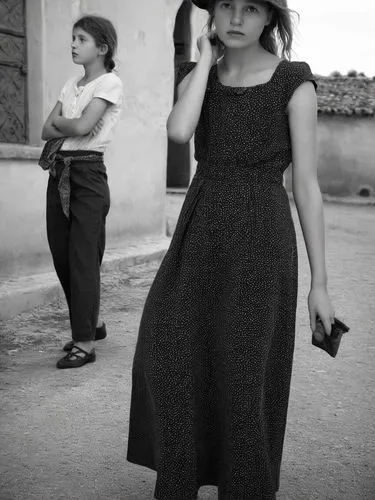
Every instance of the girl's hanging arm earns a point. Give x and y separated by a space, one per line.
83 125
185 114
302 110
49 130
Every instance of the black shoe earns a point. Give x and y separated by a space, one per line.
73 360
100 334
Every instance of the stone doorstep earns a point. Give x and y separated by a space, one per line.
24 293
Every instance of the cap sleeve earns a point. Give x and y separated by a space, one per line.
184 69
299 73
109 87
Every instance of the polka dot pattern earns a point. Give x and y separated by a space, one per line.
212 365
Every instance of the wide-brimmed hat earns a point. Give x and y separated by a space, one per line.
206 4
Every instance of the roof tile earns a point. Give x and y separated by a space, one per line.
346 95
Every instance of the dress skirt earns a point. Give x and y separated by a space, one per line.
213 360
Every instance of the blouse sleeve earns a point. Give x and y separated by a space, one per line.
61 95
64 89
299 73
109 88
184 69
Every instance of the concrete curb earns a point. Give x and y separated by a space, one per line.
27 292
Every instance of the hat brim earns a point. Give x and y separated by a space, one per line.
206 4
202 4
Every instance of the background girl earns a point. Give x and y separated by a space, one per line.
213 361
82 122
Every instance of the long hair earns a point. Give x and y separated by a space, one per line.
104 33
277 35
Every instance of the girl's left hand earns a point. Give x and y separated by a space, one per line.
320 305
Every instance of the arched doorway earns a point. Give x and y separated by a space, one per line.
178 160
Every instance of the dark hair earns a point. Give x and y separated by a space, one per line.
103 32
278 33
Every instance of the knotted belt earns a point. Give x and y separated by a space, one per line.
51 154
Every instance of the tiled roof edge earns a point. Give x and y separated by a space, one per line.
358 99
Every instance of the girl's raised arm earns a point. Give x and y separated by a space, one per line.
185 114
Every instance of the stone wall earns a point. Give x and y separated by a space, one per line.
346 160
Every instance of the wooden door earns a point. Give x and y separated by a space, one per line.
13 72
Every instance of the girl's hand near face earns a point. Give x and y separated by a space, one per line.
208 51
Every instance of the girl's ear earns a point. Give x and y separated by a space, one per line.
103 49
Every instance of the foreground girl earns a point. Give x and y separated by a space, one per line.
213 361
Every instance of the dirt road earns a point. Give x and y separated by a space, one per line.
64 432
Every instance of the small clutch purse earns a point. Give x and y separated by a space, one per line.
329 343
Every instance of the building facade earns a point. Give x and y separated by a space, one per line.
35 61
154 36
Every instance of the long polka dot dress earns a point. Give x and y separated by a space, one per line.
212 366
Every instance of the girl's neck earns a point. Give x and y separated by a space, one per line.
93 70
235 60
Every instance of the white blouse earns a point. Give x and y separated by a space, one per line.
74 99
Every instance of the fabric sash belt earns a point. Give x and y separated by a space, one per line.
51 155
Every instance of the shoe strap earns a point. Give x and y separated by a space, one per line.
71 353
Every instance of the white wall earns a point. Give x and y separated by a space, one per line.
137 158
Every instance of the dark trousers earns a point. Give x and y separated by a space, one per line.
77 244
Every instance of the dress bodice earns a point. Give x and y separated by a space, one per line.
247 124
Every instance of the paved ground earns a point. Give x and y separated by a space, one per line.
63 433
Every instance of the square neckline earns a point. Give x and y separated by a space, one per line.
273 76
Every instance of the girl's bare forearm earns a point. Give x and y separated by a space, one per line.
310 211
68 126
185 114
51 132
